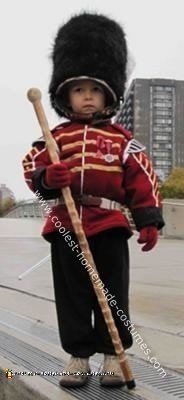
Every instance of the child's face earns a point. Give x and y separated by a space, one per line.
86 97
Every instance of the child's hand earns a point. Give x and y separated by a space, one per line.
148 235
57 176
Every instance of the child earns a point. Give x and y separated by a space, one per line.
105 169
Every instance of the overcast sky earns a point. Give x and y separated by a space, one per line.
155 35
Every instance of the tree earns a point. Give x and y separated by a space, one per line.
173 187
5 205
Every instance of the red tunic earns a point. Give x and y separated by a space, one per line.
105 161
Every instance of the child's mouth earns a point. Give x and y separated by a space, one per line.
89 108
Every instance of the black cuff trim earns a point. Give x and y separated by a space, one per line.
148 216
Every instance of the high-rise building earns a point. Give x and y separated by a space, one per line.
154 111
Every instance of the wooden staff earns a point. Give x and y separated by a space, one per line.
34 96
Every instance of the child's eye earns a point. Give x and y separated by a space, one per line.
97 89
77 89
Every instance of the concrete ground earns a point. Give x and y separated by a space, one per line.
27 308
157 298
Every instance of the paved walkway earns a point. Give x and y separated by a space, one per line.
27 307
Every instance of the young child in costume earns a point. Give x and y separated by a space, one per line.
105 169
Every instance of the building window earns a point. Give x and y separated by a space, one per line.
163 104
161 137
164 96
163 112
162 129
162 162
163 120
158 88
161 154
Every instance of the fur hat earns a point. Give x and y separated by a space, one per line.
89 46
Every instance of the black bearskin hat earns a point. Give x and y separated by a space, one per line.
89 46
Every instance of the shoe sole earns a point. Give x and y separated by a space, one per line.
115 383
73 384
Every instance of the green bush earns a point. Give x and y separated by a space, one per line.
5 205
173 187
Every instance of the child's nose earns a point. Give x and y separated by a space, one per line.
88 94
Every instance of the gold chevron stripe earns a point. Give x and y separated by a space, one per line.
154 180
25 163
105 133
78 143
68 134
81 142
33 152
140 157
155 195
27 169
98 131
87 154
25 160
97 167
146 163
87 167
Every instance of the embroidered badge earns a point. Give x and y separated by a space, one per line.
108 157
105 144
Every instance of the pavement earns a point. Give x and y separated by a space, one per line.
27 307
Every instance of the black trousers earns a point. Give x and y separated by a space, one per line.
75 297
